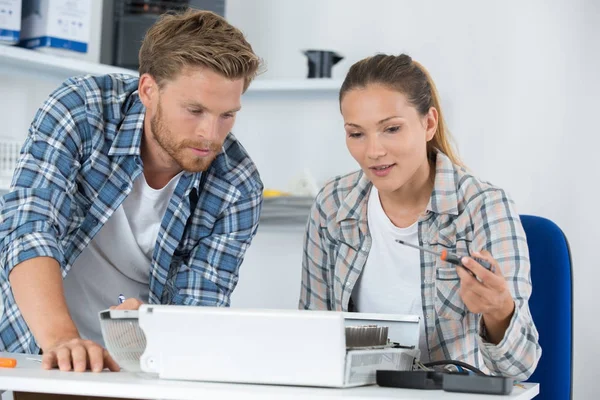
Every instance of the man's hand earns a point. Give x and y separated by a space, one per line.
129 304
78 355
38 290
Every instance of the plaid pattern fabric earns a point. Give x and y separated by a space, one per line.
463 215
77 166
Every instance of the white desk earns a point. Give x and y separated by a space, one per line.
28 376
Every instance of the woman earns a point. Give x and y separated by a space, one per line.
412 187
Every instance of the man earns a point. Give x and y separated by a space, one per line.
130 186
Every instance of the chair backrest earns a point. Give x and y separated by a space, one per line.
551 305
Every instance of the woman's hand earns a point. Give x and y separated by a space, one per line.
486 292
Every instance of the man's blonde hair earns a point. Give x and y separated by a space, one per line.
196 39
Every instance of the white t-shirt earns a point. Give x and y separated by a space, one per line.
117 260
390 281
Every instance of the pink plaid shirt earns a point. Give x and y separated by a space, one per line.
464 214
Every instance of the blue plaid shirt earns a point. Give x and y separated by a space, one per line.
77 166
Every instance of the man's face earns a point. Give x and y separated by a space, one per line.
191 115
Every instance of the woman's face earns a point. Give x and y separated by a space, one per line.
386 135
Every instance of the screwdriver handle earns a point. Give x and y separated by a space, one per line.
8 363
484 263
456 260
451 258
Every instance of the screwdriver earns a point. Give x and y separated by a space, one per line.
445 255
8 363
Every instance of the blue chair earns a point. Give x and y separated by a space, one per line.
551 306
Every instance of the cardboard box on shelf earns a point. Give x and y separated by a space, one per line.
58 25
10 21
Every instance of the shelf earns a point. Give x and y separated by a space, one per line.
43 65
286 209
303 85
47 65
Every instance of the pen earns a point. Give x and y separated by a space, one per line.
447 256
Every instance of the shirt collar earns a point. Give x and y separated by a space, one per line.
354 204
128 138
444 198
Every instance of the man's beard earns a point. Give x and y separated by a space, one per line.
181 152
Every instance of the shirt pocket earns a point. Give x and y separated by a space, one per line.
448 304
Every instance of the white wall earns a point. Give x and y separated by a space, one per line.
519 83
519 86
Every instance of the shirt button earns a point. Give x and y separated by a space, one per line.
94 221
124 186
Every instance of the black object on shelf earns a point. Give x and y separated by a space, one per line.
125 23
151 6
321 62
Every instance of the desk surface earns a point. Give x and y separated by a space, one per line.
28 376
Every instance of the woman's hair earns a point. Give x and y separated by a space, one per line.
196 38
409 77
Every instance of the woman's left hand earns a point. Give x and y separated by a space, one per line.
486 293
